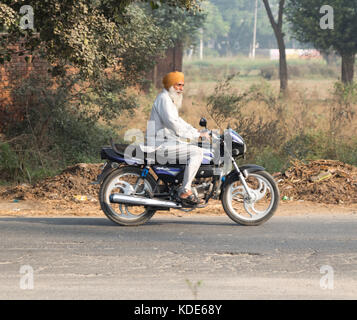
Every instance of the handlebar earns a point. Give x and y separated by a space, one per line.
211 133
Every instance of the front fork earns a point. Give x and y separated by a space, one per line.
242 176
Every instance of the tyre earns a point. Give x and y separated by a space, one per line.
122 181
260 208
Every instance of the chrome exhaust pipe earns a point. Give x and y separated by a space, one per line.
141 201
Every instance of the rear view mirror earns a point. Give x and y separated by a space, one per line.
203 122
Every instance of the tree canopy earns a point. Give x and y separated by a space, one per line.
97 36
305 18
91 34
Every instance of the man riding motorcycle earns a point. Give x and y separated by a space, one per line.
168 130
134 185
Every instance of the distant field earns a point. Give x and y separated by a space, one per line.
312 88
213 69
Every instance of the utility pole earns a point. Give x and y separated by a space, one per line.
255 30
201 44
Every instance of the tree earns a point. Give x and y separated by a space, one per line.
215 27
238 17
308 20
181 25
279 34
107 44
238 24
91 35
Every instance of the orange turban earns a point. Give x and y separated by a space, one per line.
172 78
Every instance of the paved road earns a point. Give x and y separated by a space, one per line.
300 257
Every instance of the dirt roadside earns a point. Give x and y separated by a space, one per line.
315 187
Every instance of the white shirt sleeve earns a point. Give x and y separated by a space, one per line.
170 118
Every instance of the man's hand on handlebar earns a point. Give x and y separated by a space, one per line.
205 135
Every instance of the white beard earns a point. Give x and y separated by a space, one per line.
176 97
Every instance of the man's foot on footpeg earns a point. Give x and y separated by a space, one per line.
189 197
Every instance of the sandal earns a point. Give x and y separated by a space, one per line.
189 198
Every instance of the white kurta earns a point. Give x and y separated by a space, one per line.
165 132
165 124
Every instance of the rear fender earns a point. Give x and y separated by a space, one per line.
107 170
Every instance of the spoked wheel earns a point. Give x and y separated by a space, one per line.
255 211
123 181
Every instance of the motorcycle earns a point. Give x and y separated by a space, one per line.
133 188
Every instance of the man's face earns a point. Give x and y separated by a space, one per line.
179 87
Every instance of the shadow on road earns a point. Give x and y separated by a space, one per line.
104 222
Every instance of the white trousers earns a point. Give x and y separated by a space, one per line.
187 154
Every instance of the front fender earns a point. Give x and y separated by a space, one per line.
233 175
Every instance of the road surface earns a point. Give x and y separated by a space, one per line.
190 257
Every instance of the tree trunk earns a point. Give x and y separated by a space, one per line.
279 35
348 64
283 66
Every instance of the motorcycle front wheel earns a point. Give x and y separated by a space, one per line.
257 210
123 181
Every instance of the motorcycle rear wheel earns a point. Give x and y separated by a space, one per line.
120 181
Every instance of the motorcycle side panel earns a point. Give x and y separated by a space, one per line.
174 174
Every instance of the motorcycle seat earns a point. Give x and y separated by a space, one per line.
132 152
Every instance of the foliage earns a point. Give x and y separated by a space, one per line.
97 50
230 23
305 146
223 103
342 109
57 129
94 35
227 106
215 28
108 47
305 17
180 24
9 164
271 159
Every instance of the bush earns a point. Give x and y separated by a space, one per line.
19 165
347 152
312 70
271 160
306 146
227 106
314 146
57 131
269 72
9 162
